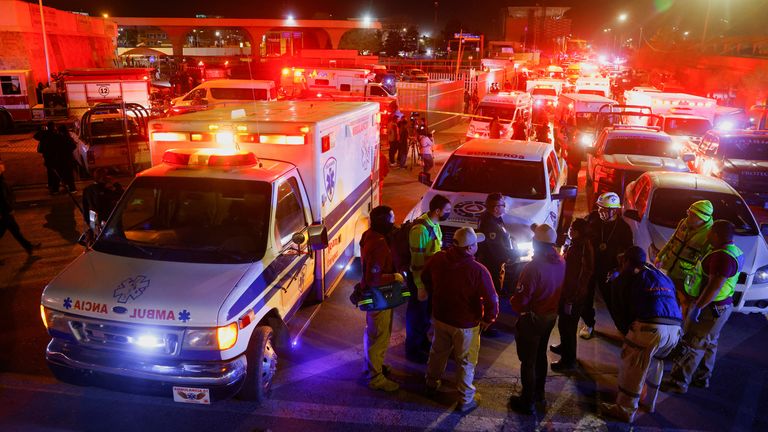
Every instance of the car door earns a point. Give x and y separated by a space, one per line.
592 157
293 263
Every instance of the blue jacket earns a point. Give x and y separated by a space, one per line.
646 295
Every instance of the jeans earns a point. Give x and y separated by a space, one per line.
567 325
532 340
464 344
429 162
378 329
417 322
394 146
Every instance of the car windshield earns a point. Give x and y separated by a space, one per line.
513 178
505 113
586 120
633 145
668 208
544 91
687 126
200 220
239 94
110 131
744 147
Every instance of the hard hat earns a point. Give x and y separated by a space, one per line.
544 234
703 209
609 200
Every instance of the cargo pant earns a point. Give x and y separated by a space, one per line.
643 345
378 329
532 338
699 346
464 344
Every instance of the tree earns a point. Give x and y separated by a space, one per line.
361 40
394 43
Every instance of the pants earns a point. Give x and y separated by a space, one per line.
567 325
532 340
699 346
394 146
8 223
429 162
573 172
417 322
642 345
60 175
378 329
588 307
402 156
464 344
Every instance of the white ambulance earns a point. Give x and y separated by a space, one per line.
507 106
544 91
594 85
192 280
224 92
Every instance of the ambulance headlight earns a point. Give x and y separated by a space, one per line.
761 275
149 341
587 139
54 320
219 338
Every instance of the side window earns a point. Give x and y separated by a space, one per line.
345 87
553 171
289 213
641 197
378 91
10 85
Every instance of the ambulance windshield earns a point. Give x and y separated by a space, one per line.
687 126
199 220
512 177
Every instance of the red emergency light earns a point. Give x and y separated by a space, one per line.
214 158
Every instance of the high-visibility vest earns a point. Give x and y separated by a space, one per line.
683 250
699 280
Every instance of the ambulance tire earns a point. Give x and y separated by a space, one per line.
262 365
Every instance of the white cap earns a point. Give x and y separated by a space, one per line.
544 234
464 237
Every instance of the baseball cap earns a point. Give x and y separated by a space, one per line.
464 237
544 234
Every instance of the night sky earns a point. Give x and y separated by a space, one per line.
590 16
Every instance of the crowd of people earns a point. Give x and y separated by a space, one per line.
402 133
670 310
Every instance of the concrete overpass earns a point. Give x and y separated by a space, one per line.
326 33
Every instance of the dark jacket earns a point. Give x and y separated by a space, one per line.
617 237
101 198
540 284
497 248
376 260
645 295
461 288
579 265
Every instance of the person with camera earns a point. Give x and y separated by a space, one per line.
378 269
464 302
100 197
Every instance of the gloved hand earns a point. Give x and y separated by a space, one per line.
399 278
693 313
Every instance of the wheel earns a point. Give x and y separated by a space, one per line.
6 122
262 365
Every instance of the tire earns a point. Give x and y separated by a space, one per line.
262 365
6 122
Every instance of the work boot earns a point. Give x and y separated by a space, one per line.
522 406
383 383
557 349
468 407
586 332
671 385
617 412
562 366
700 382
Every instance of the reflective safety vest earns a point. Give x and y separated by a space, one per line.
694 284
683 250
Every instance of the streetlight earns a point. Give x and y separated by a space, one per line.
622 17
367 20
105 15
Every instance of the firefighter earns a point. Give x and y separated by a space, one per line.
687 245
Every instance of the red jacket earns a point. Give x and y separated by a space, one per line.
376 259
462 290
540 284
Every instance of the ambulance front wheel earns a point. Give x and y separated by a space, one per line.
262 365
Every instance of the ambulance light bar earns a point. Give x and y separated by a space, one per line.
215 158
228 137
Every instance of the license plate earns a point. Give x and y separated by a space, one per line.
192 395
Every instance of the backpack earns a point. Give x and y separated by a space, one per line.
401 246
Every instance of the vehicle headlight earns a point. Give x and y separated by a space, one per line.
732 178
221 338
587 139
54 320
761 275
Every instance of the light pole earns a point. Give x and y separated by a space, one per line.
706 22
622 18
45 44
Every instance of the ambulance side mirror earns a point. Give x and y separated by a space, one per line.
317 236
632 214
566 192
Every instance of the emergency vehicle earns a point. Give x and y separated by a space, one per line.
508 106
529 174
224 92
544 92
740 157
17 97
190 285
593 85
670 104
657 201
576 121
624 152
310 82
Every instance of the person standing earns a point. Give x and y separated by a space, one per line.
65 159
534 308
393 138
610 236
496 250
424 240
648 315
466 101
519 129
687 245
425 151
464 303
579 264
710 296
494 128
378 270
48 141
402 146
7 220
100 197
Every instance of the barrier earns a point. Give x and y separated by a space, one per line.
442 101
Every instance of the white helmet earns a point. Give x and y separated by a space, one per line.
609 200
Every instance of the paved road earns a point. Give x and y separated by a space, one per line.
320 385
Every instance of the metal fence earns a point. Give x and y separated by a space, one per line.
442 101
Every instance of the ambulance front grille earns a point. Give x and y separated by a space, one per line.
128 338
